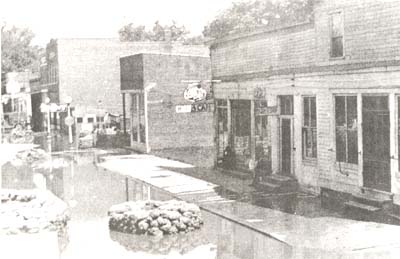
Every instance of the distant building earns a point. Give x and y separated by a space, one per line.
320 98
170 105
16 99
88 70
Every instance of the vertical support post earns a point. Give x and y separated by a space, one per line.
123 112
360 140
69 126
252 131
215 133
48 121
138 117
131 116
127 188
229 112
146 122
393 160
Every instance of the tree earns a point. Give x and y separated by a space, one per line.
130 32
17 52
246 16
159 32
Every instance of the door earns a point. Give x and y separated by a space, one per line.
241 132
286 146
376 142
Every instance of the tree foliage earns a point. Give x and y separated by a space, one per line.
174 32
245 16
17 52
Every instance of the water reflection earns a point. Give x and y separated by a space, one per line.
91 191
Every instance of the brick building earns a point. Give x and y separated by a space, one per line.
321 98
169 105
88 70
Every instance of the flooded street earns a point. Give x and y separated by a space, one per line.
90 191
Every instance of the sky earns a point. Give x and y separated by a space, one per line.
103 18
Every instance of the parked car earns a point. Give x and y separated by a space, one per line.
86 139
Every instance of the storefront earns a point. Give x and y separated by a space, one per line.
242 133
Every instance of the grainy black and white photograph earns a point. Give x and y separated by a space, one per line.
187 129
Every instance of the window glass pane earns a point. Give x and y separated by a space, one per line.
340 145
309 142
306 111
286 104
79 120
352 112
260 107
313 112
337 25
340 110
221 102
314 140
352 147
90 120
337 47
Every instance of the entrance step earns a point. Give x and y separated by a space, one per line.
269 187
279 179
235 173
377 193
372 200
278 184
361 207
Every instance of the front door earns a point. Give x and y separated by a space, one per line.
286 146
376 142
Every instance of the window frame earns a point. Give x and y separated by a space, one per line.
345 128
309 127
331 36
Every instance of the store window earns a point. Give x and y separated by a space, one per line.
261 118
286 104
346 129
262 134
309 130
138 129
337 35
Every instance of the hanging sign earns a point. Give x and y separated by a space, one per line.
195 93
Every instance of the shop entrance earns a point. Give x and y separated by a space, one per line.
241 132
376 142
286 146
286 133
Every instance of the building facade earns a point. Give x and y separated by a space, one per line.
321 98
170 105
88 71
16 99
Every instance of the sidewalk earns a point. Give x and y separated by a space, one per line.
336 236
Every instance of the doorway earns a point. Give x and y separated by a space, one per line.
286 145
376 142
241 132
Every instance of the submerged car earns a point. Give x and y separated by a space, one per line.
86 139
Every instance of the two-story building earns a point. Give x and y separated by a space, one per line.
320 98
88 71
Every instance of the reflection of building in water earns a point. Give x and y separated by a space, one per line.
235 241
137 191
17 176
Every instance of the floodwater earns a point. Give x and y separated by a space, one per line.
90 191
